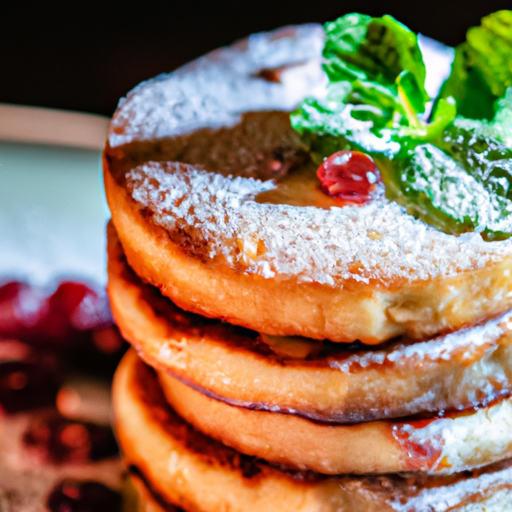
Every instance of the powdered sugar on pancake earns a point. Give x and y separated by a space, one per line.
375 242
218 215
215 89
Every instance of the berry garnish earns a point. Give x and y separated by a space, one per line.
349 175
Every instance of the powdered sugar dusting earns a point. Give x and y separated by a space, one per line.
467 342
378 241
214 90
217 215
461 442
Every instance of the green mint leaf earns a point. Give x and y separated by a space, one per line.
454 172
464 181
372 50
500 128
411 97
444 114
343 39
376 89
331 125
482 68
435 187
491 46
502 123
372 55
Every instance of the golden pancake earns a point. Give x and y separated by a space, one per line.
139 498
325 382
440 445
495 501
185 468
189 169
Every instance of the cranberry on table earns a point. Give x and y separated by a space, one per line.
22 307
76 496
350 176
32 313
83 307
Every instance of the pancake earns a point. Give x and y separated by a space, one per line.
187 469
139 498
439 445
190 161
327 382
152 502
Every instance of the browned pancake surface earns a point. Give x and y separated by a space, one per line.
322 381
198 474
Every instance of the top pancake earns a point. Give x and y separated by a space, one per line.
192 151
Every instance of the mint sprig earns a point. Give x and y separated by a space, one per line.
454 173
376 95
482 68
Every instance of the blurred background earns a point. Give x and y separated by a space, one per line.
86 55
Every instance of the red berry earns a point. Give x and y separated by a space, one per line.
28 312
22 309
349 175
80 306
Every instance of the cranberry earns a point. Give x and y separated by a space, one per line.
22 308
61 440
27 380
73 308
82 307
349 175
75 496
54 320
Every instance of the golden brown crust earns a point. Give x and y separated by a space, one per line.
142 498
287 439
354 273
250 301
202 475
438 446
368 312
340 384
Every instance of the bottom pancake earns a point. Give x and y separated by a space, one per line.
182 466
140 498
146 501
443 445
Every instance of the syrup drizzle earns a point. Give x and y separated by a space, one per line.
298 188
420 456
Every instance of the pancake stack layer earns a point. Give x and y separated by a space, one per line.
291 354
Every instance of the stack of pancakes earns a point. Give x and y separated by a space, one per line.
292 353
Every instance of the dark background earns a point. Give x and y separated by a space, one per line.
85 55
